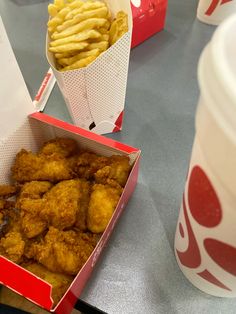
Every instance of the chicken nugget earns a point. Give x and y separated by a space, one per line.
12 246
32 167
7 191
117 169
103 201
63 251
63 147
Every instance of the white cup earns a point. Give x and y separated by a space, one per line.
215 11
205 242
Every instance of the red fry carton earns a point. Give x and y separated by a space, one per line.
148 19
22 127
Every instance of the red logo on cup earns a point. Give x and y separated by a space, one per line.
206 210
214 4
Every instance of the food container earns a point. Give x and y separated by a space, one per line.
29 129
95 95
205 242
148 19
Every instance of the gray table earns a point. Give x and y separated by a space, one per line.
138 272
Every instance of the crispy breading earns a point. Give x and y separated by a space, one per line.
34 189
7 191
33 167
9 217
81 216
117 169
31 222
88 164
63 251
103 201
62 204
63 147
60 282
12 246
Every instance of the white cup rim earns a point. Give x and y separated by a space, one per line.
226 74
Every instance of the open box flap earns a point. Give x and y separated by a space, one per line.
15 101
13 276
84 133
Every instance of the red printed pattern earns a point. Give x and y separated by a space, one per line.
191 257
214 4
223 254
206 209
203 201
118 122
209 277
43 86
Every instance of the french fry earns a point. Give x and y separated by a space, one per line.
87 24
82 36
79 56
75 4
122 20
59 4
52 24
85 7
52 10
58 19
60 55
102 46
79 64
69 47
103 30
113 33
102 37
118 27
99 13
60 64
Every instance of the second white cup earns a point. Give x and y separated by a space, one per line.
205 242
215 11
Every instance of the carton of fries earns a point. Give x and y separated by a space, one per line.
95 92
29 129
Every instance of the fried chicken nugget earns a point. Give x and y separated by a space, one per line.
12 246
63 251
63 147
7 191
103 201
31 222
30 204
9 217
34 189
60 282
81 217
62 204
117 169
40 167
88 164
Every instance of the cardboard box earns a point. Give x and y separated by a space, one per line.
148 19
95 95
39 128
22 127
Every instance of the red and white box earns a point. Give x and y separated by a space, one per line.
22 127
148 19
